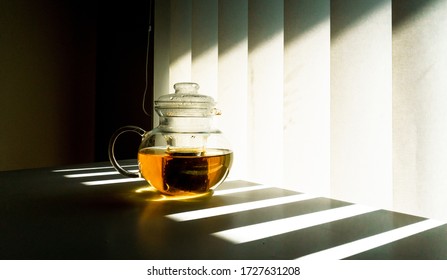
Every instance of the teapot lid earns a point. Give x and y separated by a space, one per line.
185 101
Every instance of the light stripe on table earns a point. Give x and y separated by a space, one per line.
371 242
89 168
239 190
229 209
281 226
112 181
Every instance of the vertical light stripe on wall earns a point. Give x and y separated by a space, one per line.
180 41
361 140
232 80
420 107
205 46
307 95
265 90
162 23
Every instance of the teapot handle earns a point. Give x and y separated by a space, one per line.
121 130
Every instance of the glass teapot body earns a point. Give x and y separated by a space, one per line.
184 154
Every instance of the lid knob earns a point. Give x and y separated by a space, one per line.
187 88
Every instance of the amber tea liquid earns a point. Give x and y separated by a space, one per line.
184 171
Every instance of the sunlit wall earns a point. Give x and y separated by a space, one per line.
420 106
339 98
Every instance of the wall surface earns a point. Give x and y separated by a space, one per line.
419 106
71 73
342 98
122 36
47 78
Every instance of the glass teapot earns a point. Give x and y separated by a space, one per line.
185 154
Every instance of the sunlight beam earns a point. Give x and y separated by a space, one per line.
112 181
368 243
277 227
230 209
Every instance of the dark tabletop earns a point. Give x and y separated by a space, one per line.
79 212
